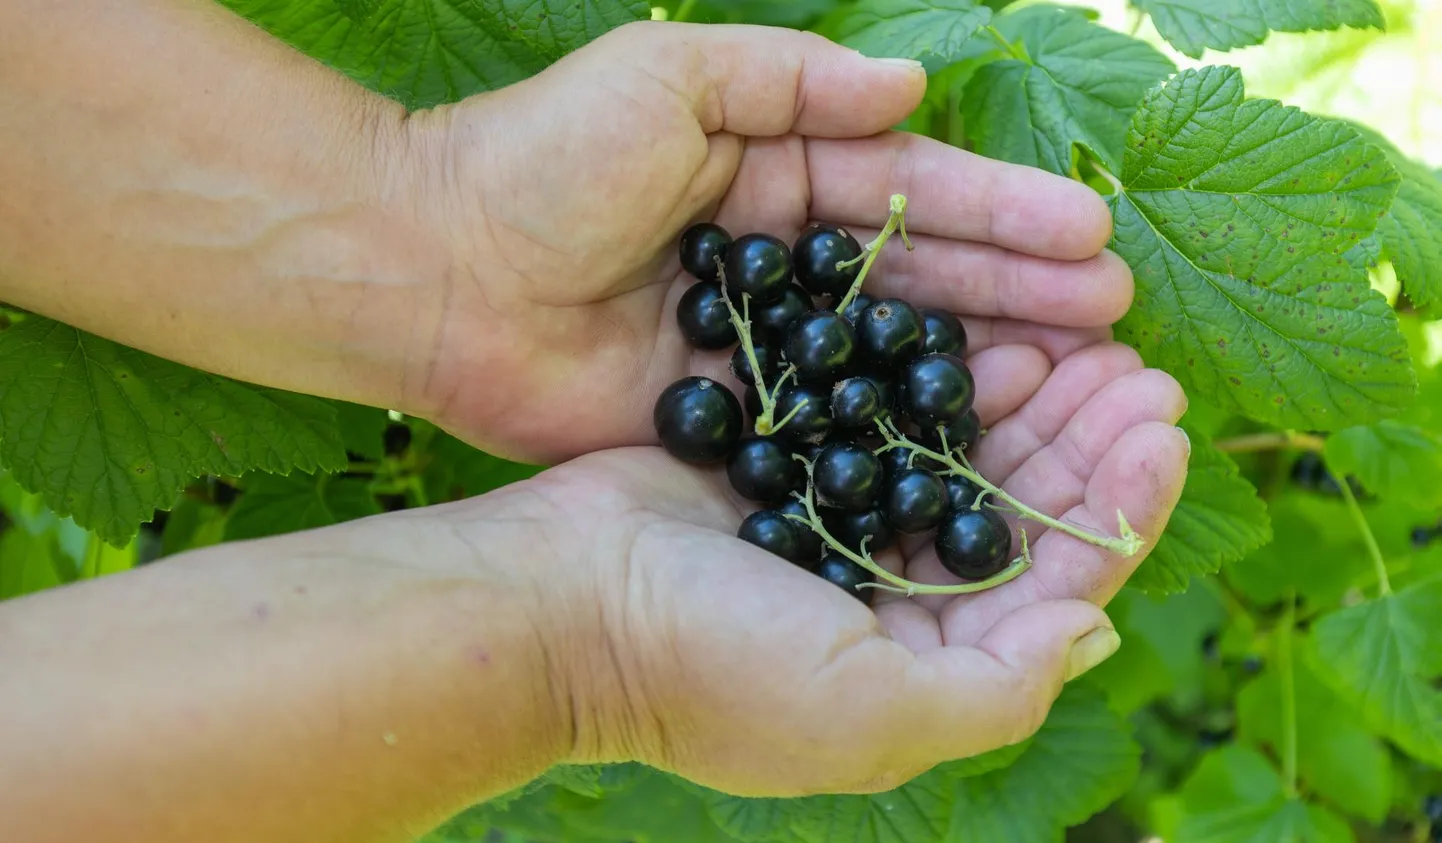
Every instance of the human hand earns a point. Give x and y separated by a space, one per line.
697 653
561 198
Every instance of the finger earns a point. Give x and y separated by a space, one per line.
767 81
955 194
1056 343
981 279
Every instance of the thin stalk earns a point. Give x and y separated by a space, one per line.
765 424
1286 673
683 12
1270 442
1384 583
1011 49
894 223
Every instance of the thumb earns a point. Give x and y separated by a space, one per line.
764 81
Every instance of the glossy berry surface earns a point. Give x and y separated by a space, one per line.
840 571
855 403
769 323
701 245
850 528
857 307
936 389
768 359
810 543
888 334
771 531
761 469
962 433
820 345
915 501
813 421
893 462
961 493
698 420
758 265
944 333
817 251
705 322
848 477
973 544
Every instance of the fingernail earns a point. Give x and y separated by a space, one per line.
909 64
1186 439
1091 650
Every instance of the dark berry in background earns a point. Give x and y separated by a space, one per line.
758 265
915 501
961 493
705 322
847 476
961 433
770 322
769 361
761 469
855 403
820 345
944 333
816 253
772 531
701 245
973 544
850 528
936 389
813 421
889 333
809 541
396 439
840 571
857 307
698 420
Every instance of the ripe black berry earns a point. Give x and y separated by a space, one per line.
701 245
894 461
772 321
809 541
838 570
889 333
813 421
961 433
936 389
697 420
973 543
944 333
850 528
396 439
857 307
758 265
820 345
761 469
704 319
819 248
855 403
915 501
847 477
741 365
961 493
1422 537
770 530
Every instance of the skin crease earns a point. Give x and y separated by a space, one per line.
505 267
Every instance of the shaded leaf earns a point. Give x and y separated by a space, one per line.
911 29
273 505
1391 459
1194 25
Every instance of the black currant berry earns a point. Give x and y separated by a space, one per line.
1422 537
704 319
701 245
915 501
772 321
810 542
847 477
850 528
761 469
961 493
819 248
813 421
759 266
857 307
838 570
1432 807
889 334
396 439
962 433
973 543
698 420
936 389
820 345
855 403
944 333
741 365
772 531
894 461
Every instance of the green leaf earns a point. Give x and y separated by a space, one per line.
456 470
1219 519
1411 233
1194 25
1234 796
31 514
362 429
272 505
108 435
358 10
1383 657
657 809
1076 83
911 29
580 779
1390 459
427 52
1161 653
1235 216
29 563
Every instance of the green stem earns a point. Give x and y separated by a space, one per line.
765 425
1287 675
1011 49
683 12
1384 583
1270 442
894 223
1128 544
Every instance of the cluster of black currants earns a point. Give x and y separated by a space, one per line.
860 409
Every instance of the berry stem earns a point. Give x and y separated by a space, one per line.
742 323
894 223
898 585
1384 583
1127 544
1270 442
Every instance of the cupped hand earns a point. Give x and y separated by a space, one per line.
562 198
738 670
